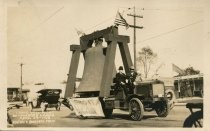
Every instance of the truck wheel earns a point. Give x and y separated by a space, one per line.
136 109
162 109
194 119
108 113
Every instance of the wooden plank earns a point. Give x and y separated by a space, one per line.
108 69
70 86
118 38
75 47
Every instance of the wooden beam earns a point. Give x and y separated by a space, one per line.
70 86
134 15
139 27
75 47
118 38
126 57
109 66
87 40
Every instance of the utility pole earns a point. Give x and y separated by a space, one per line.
134 33
21 81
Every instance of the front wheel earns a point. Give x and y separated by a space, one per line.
136 109
194 120
162 109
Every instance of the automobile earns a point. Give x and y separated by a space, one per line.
195 119
148 96
49 97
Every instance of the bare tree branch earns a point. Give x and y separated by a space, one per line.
146 58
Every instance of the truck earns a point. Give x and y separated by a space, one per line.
148 95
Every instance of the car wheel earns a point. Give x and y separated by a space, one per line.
136 109
194 120
162 109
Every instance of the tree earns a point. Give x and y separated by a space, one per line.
191 71
146 58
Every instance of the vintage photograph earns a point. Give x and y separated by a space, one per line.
110 64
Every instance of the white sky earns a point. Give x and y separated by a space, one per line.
39 34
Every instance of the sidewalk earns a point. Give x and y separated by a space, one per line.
184 101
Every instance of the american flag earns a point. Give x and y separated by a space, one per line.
119 20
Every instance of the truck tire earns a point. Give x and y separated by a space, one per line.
194 120
162 108
136 109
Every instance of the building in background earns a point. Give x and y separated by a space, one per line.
13 94
189 86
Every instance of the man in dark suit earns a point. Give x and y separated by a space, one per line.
120 80
131 77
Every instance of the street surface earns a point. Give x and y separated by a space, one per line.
67 118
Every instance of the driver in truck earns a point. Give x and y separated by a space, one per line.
131 77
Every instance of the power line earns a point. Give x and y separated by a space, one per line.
171 31
49 17
100 23
159 9
44 21
124 11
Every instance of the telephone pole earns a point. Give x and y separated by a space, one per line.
134 32
21 81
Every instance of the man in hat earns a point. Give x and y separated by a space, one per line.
131 77
120 79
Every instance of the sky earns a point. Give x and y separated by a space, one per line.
39 34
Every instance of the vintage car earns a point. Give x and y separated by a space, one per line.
50 98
